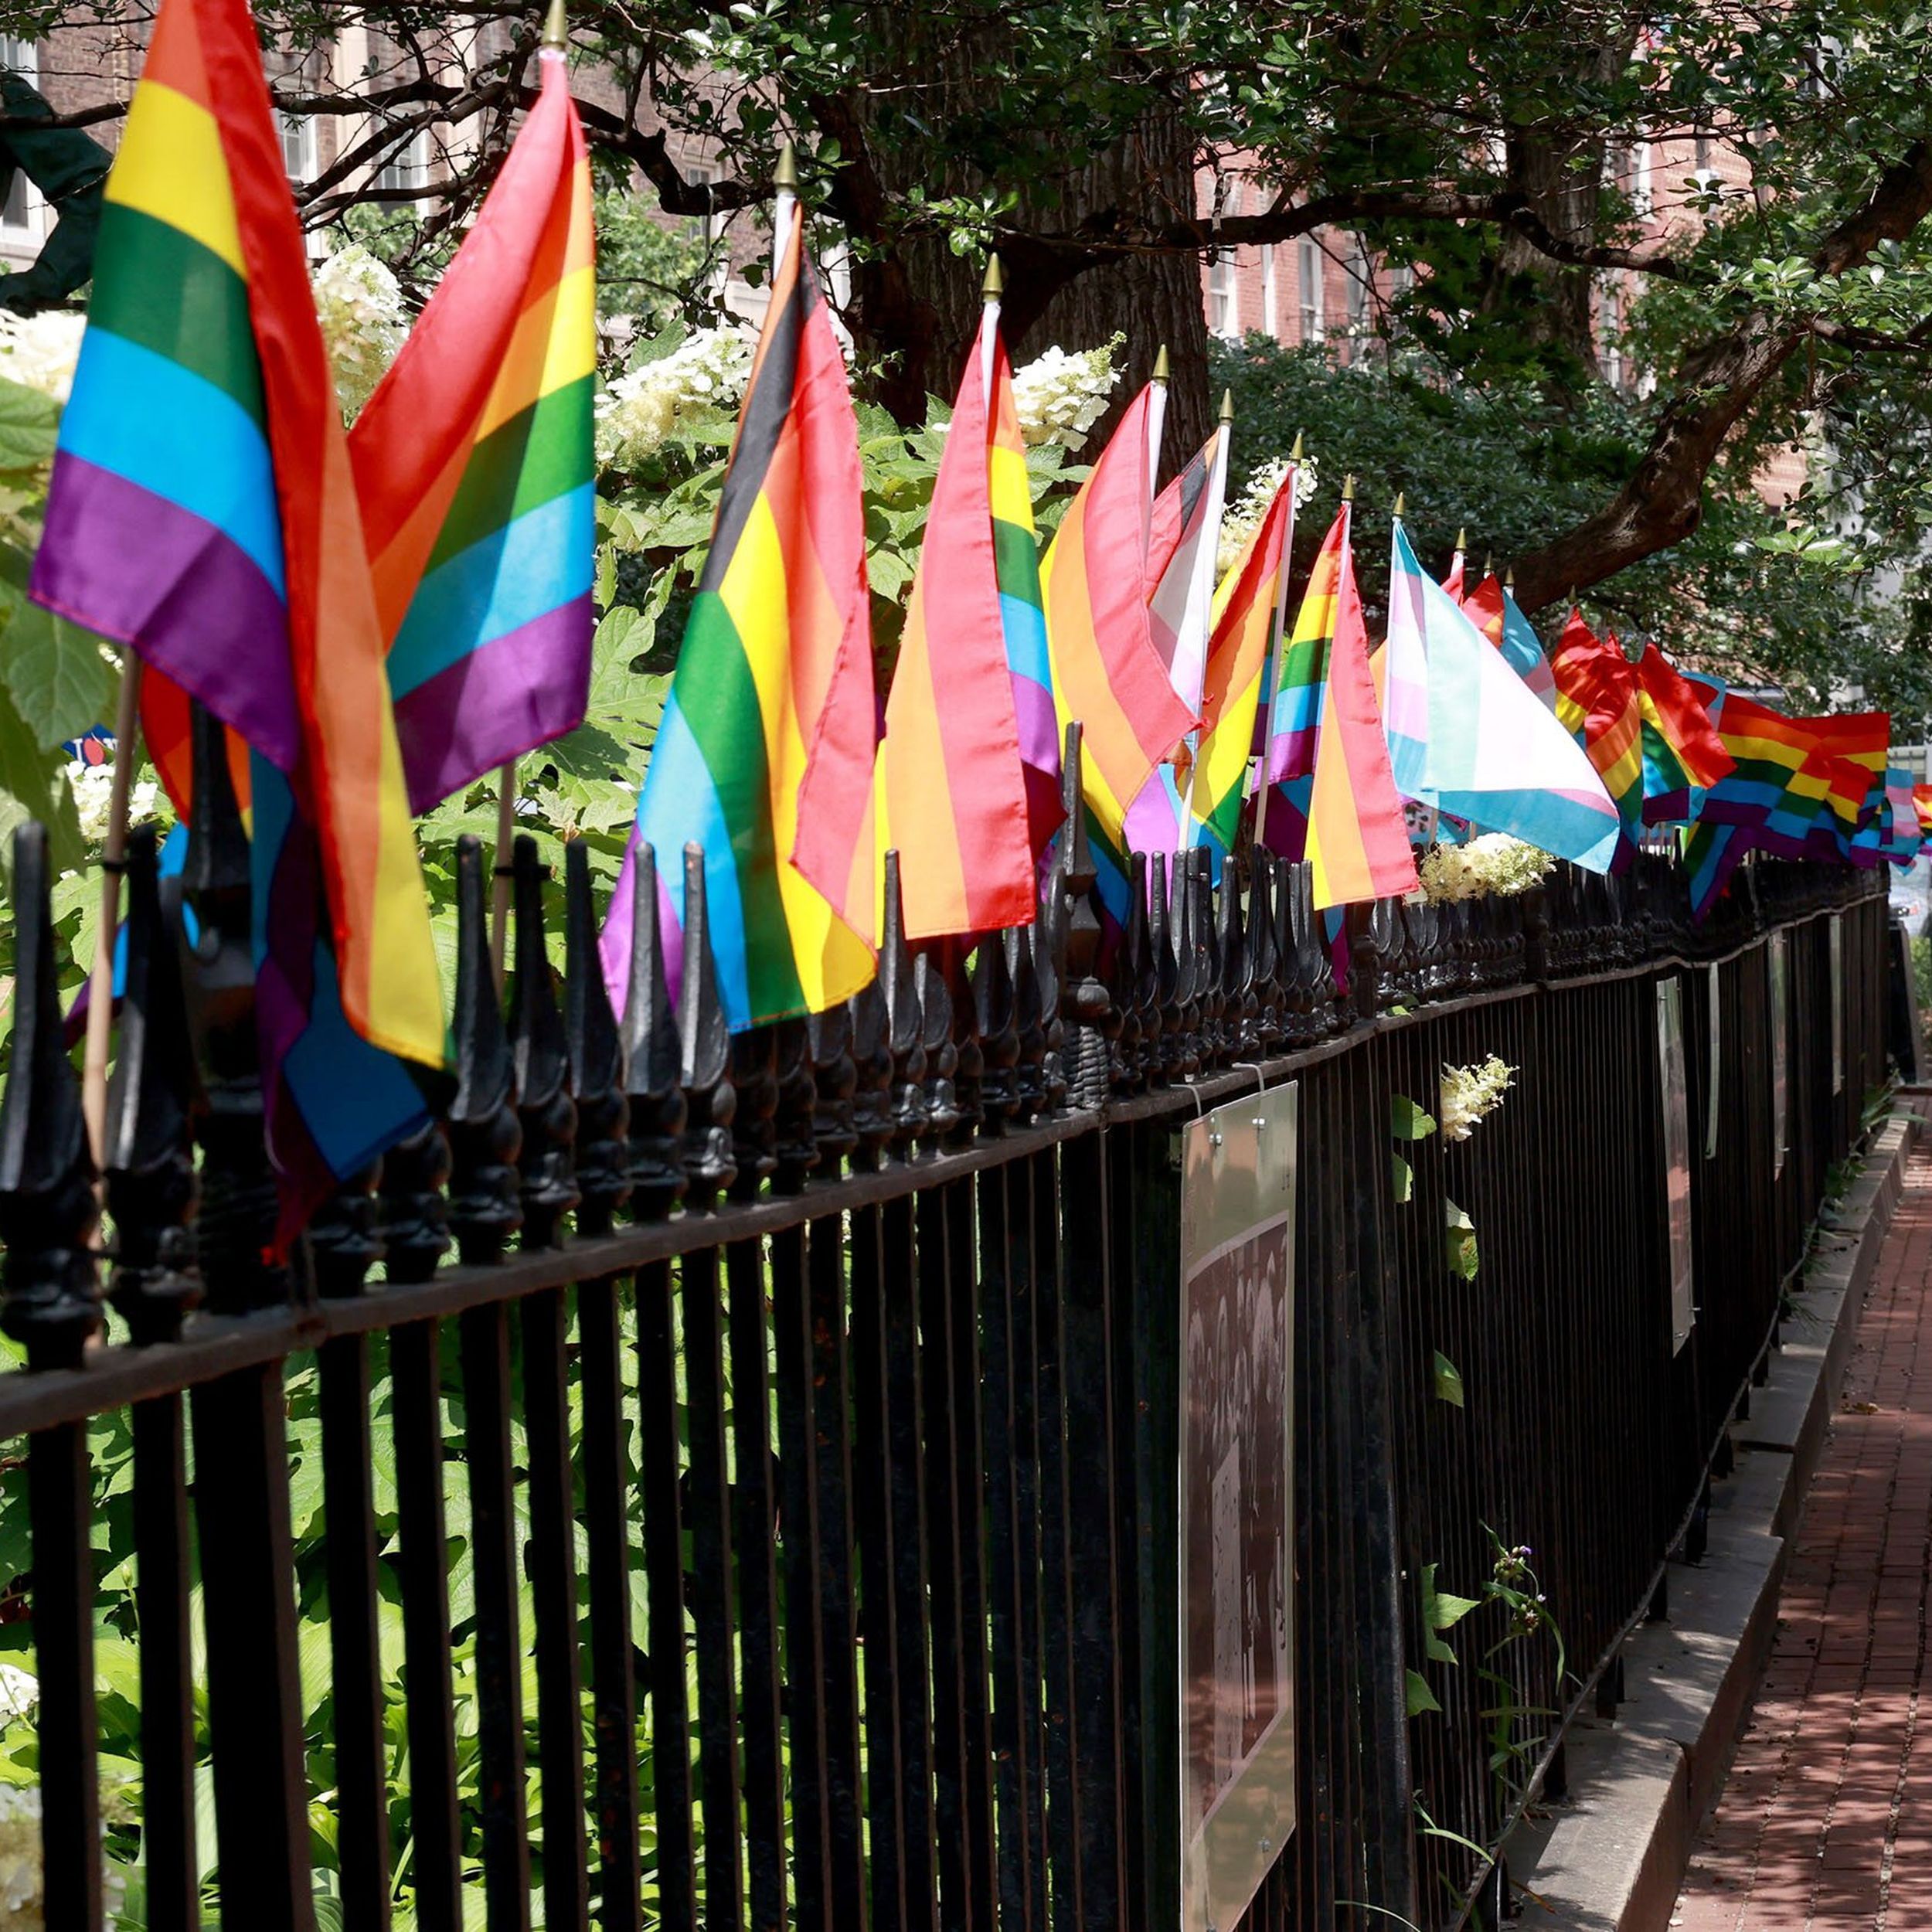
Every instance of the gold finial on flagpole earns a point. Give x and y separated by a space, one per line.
1161 363
557 27
1347 488
994 285
1489 566
1295 455
1462 538
1402 503
784 177
1510 579
1227 405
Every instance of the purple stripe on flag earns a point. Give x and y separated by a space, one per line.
620 923
504 698
1039 731
119 560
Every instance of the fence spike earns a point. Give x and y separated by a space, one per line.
932 986
415 1211
237 1226
594 1052
969 1062
48 1211
1209 989
652 1059
1264 956
993 1022
903 1026
486 1136
710 1099
834 1078
754 1125
796 1148
1087 1013
152 1193
540 1050
1130 967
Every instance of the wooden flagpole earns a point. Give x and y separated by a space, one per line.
100 979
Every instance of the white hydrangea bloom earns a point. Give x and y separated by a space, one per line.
1470 1093
93 787
20 1693
1058 397
359 304
40 351
1493 863
1243 515
704 375
20 1878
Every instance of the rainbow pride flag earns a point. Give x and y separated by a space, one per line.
954 779
474 467
1776 787
1107 673
1297 710
766 751
1902 837
1597 702
1683 753
1023 611
1922 804
1246 609
203 511
1492 755
1358 842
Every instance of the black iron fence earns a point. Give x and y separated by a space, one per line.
769 1515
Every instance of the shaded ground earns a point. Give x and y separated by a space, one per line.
1826 1819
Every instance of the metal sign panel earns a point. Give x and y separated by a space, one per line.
1237 1499
1674 1086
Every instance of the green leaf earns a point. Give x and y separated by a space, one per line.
1404 1177
33 784
61 685
1417 1694
1448 1381
1461 1236
1407 1121
29 423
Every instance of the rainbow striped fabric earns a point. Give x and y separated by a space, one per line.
1297 710
1683 754
475 471
952 779
1246 608
1107 673
1357 840
766 751
1023 611
1522 650
203 511
1491 753
1597 702
1902 838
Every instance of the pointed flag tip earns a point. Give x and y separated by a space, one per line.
1227 405
1462 538
556 27
1161 363
784 177
1509 578
1295 455
1402 503
994 285
1347 488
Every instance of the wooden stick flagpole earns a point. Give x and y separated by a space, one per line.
100 979
1206 566
1271 688
556 38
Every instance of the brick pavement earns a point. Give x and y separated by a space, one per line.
1826 1819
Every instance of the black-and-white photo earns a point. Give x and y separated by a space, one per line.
1237 1466
1675 1087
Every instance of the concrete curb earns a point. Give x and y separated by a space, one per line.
1611 1856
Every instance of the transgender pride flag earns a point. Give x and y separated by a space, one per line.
1467 735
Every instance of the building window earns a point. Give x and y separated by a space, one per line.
1271 317
1224 291
20 215
407 168
1307 262
298 146
1640 193
1702 171
1610 317
1361 285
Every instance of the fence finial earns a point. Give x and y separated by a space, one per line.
485 1135
48 1209
595 1054
710 1099
538 1044
651 1058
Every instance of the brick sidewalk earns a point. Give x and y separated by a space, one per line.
1826 1820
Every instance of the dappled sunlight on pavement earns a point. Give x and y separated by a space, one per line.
1826 1819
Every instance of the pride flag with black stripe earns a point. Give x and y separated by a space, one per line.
475 466
766 753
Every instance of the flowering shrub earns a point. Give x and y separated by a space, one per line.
1058 397
1470 1093
93 787
40 351
703 375
1494 863
1245 513
359 304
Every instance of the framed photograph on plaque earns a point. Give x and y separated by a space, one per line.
1780 1047
1237 1500
1674 1086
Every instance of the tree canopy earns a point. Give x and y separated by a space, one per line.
1473 140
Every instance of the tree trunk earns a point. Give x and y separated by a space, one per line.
915 304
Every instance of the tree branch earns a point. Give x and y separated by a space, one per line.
1662 501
